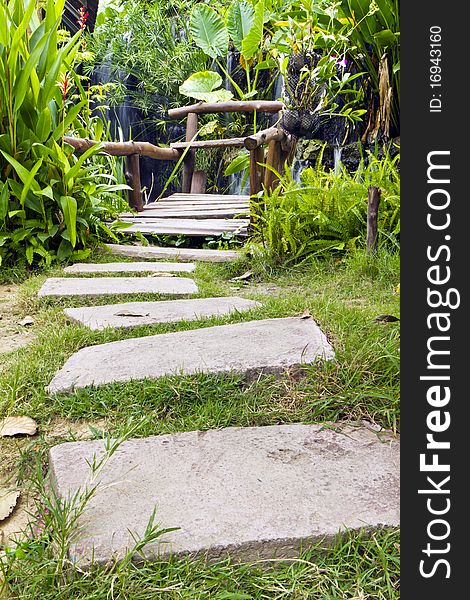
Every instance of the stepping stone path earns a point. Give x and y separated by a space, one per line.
103 286
132 314
155 253
256 492
131 267
249 493
271 344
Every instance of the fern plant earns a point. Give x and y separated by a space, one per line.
327 212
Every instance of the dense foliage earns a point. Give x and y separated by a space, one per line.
146 51
327 211
51 202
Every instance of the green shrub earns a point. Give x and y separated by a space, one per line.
328 211
51 201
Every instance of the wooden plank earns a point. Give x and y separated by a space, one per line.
185 209
231 143
267 106
195 205
191 227
175 222
185 214
206 196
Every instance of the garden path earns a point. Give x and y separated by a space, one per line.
255 492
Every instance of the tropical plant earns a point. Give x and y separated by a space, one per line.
51 202
242 26
327 211
375 34
144 48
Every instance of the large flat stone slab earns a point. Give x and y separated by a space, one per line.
103 286
131 267
184 254
271 344
251 493
132 314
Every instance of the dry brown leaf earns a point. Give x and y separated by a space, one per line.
306 314
244 277
131 313
26 322
17 426
8 500
163 274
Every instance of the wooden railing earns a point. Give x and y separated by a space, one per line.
279 146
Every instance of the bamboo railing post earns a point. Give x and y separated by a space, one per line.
256 170
256 181
190 158
198 182
373 200
132 174
273 159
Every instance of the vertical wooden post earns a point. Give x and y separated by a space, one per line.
273 159
256 180
256 170
198 182
189 159
373 200
132 174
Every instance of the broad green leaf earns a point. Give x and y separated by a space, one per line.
251 44
31 182
239 163
208 128
208 31
4 197
239 21
202 86
22 172
73 171
29 254
22 84
70 117
4 30
386 38
65 250
68 204
44 125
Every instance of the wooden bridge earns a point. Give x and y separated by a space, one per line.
193 212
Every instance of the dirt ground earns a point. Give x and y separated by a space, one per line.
12 335
11 448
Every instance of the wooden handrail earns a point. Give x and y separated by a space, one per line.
81 145
268 106
263 137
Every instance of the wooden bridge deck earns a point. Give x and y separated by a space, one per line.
192 215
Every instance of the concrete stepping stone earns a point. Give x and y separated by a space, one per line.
102 286
271 344
132 314
251 493
184 254
131 267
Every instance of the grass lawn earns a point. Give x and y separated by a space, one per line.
343 296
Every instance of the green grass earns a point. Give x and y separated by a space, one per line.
362 383
356 567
